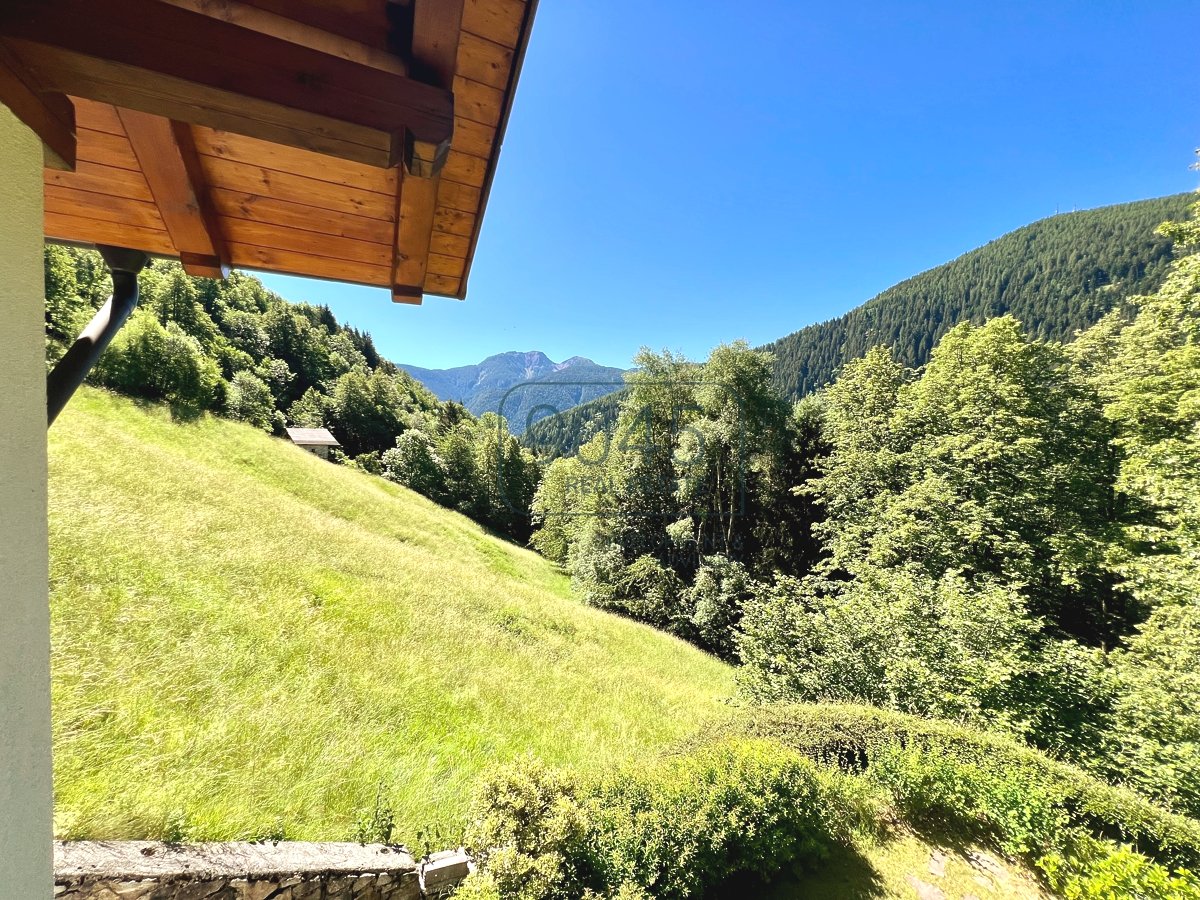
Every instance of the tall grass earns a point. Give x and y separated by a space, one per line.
251 642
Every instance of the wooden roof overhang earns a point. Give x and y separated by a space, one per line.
353 140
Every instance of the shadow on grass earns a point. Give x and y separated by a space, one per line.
845 875
180 412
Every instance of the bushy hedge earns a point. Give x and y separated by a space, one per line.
854 738
771 789
671 830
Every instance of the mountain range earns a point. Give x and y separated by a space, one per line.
523 386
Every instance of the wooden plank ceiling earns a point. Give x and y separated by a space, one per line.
279 183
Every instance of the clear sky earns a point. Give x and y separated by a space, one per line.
678 174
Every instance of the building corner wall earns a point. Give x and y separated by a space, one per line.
26 798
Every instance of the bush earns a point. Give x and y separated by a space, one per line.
249 400
973 782
162 363
672 829
1094 870
891 638
716 597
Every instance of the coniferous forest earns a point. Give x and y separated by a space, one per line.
1058 275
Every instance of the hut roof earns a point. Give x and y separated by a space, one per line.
312 437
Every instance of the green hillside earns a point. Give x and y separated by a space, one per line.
1057 276
250 641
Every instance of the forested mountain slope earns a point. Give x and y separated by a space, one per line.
1057 276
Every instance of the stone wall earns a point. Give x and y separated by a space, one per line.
287 870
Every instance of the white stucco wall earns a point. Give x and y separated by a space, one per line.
26 811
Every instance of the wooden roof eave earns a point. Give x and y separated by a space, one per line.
162 166
183 64
501 130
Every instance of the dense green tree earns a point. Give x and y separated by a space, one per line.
414 463
1157 717
64 317
897 638
1152 385
248 399
147 359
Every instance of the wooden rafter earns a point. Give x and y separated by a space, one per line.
181 63
436 28
167 155
50 116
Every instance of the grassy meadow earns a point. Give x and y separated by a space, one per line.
249 642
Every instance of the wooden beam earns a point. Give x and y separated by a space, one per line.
183 64
257 19
50 116
167 155
434 57
414 226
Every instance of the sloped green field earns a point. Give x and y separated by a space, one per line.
249 641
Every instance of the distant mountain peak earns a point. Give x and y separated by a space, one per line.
575 361
484 387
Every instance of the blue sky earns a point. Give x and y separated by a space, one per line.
682 174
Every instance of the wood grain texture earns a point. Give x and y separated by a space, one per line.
278 237
449 244
448 266
416 210
167 155
473 138
454 221
499 21
477 102
363 21
196 62
95 231
465 169
97 116
288 27
291 262
225 173
484 61
297 161
104 207
272 211
124 85
106 149
101 179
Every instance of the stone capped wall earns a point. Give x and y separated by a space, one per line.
287 870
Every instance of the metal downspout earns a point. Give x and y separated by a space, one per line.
73 368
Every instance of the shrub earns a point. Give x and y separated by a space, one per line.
1092 840
672 829
716 597
1093 870
892 638
249 400
162 363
